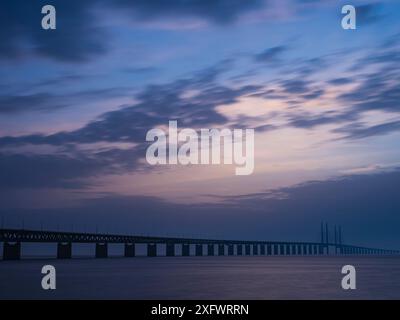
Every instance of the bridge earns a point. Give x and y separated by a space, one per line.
12 239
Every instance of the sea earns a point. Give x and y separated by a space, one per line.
219 277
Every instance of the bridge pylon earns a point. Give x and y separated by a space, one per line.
11 251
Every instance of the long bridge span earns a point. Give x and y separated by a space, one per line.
12 239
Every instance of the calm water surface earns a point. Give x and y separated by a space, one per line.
203 278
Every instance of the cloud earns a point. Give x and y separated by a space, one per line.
71 168
387 100
192 100
296 86
361 132
155 106
376 91
80 37
365 205
43 171
33 102
76 39
216 11
46 102
368 13
271 54
340 81
309 121
314 94
140 70
377 88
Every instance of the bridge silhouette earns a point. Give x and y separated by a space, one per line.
12 239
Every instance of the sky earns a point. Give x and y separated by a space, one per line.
76 104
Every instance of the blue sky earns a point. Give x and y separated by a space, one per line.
76 103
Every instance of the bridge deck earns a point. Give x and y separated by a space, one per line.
21 235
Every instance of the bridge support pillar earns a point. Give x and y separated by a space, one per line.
299 251
305 249
185 250
239 249
320 249
255 249
11 251
269 249
210 250
262 249
129 250
221 249
315 250
287 250
230 250
152 250
281 249
276 250
101 250
170 249
247 249
64 250
199 249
